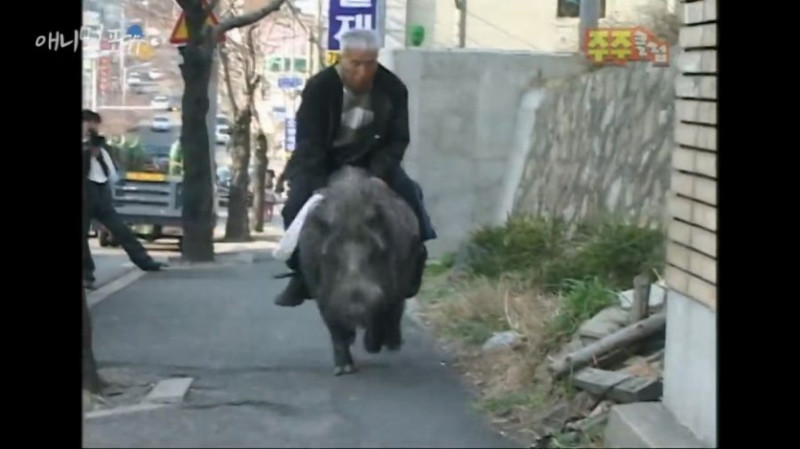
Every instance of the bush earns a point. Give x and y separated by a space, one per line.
522 244
610 250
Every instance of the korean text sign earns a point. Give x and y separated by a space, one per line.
623 45
345 15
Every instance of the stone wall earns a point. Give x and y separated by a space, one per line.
601 143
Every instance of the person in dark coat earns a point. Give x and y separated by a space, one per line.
99 173
353 113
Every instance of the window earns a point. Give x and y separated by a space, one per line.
275 64
300 65
571 8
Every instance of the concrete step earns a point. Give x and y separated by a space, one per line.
646 425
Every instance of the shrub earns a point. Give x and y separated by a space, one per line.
608 249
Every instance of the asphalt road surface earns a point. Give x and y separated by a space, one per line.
263 374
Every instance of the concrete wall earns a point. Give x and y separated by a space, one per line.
690 374
600 143
463 111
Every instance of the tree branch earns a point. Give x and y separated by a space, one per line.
223 56
212 5
247 19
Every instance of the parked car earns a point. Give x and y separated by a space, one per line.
160 102
161 123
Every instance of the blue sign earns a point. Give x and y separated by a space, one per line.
291 131
135 32
345 15
289 82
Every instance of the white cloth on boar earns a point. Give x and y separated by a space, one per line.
290 238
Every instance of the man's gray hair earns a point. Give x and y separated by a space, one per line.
360 39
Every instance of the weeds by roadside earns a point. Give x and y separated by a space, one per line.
539 280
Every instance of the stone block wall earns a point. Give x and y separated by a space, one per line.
602 144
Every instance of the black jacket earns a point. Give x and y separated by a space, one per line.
319 118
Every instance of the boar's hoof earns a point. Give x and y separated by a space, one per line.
346 369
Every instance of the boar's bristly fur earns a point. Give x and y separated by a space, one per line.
357 250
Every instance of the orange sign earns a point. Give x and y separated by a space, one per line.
622 45
180 33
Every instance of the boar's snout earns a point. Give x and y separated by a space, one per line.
356 298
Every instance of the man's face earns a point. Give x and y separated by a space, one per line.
358 69
89 125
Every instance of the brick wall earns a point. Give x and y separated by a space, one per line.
692 245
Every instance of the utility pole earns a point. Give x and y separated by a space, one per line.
589 15
462 23
320 55
123 79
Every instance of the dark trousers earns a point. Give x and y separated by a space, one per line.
302 187
98 205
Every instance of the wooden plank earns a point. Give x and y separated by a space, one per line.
691 287
704 87
698 36
703 61
696 111
699 12
697 136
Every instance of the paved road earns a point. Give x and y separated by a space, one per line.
263 373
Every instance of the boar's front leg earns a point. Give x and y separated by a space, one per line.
341 337
394 323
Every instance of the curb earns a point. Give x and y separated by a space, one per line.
94 297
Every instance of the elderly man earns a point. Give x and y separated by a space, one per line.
354 113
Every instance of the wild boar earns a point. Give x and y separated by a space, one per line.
357 251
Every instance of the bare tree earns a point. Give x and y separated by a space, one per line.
259 183
198 218
241 80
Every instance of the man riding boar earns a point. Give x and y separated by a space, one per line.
354 113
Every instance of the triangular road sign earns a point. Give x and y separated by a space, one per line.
180 33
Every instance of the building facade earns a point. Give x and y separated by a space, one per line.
690 374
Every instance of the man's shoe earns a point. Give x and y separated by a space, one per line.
153 266
294 294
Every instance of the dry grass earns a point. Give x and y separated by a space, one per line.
513 385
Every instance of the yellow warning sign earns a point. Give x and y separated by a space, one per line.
180 33
332 57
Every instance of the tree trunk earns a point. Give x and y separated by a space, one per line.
91 378
237 228
259 184
198 216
